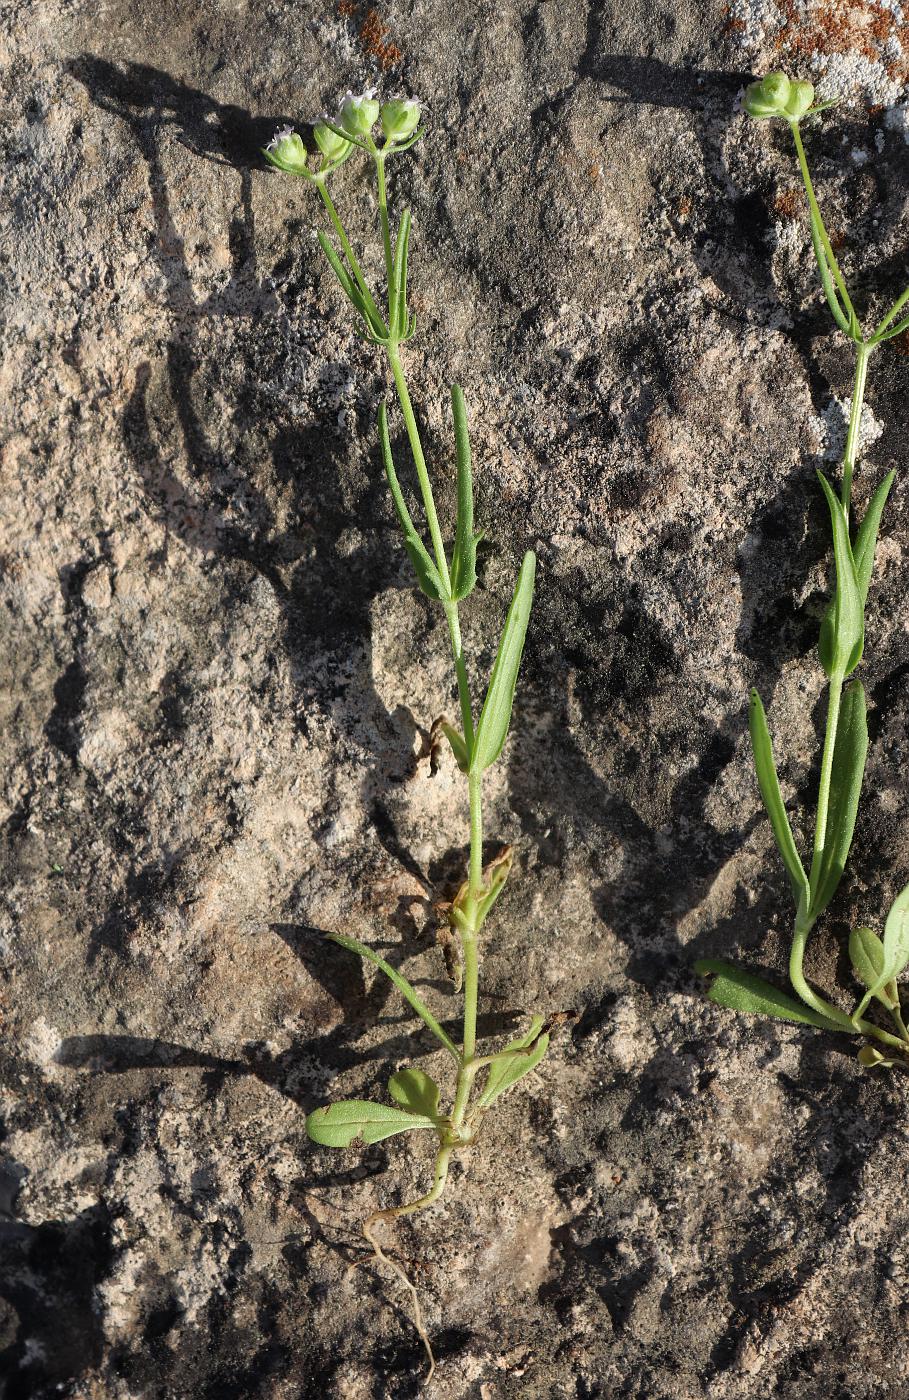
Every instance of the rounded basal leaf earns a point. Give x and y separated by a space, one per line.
741 991
415 1091
866 953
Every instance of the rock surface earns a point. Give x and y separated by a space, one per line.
218 679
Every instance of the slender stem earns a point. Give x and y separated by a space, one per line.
815 209
454 628
475 783
386 230
416 448
348 251
863 353
823 795
894 311
897 1017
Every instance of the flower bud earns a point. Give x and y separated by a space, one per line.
801 96
332 146
400 118
359 114
287 152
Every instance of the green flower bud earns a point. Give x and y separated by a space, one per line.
776 96
400 118
332 146
359 114
801 96
287 152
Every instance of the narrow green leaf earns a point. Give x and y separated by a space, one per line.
768 782
399 276
841 645
425 569
495 717
830 293
464 555
458 745
866 539
866 953
337 1124
403 986
349 287
742 991
849 753
416 1092
505 1073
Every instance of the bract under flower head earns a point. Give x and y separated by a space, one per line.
400 117
359 114
287 152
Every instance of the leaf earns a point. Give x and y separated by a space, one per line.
464 555
770 791
399 276
337 1124
495 717
833 301
416 1091
866 953
866 539
896 948
494 878
349 287
426 571
458 745
742 991
870 1058
403 986
849 753
842 639
505 1073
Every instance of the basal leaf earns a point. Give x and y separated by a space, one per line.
495 717
426 571
841 646
416 1092
742 991
849 753
866 953
338 1124
505 1073
770 792
464 555
403 986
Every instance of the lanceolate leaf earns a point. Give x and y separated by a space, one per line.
416 1092
866 953
403 986
464 555
458 746
866 539
849 754
770 792
896 949
503 1074
351 290
426 571
843 637
337 1124
742 991
399 275
496 714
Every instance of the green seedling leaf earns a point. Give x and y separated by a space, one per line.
866 539
520 1057
464 555
416 1092
426 571
849 754
896 948
399 276
338 1124
403 986
495 717
742 991
458 746
843 637
866 953
870 1058
770 791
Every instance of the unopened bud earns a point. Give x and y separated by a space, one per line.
332 146
287 152
400 118
776 96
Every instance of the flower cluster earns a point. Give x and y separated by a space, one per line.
777 96
399 118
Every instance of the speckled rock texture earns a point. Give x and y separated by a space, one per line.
218 680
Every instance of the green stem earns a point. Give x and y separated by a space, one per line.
863 353
348 251
416 448
894 311
823 795
812 200
386 232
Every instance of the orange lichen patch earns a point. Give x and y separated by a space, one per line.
788 204
347 8
824 27
372 36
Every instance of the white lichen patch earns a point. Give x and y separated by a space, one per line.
831 426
